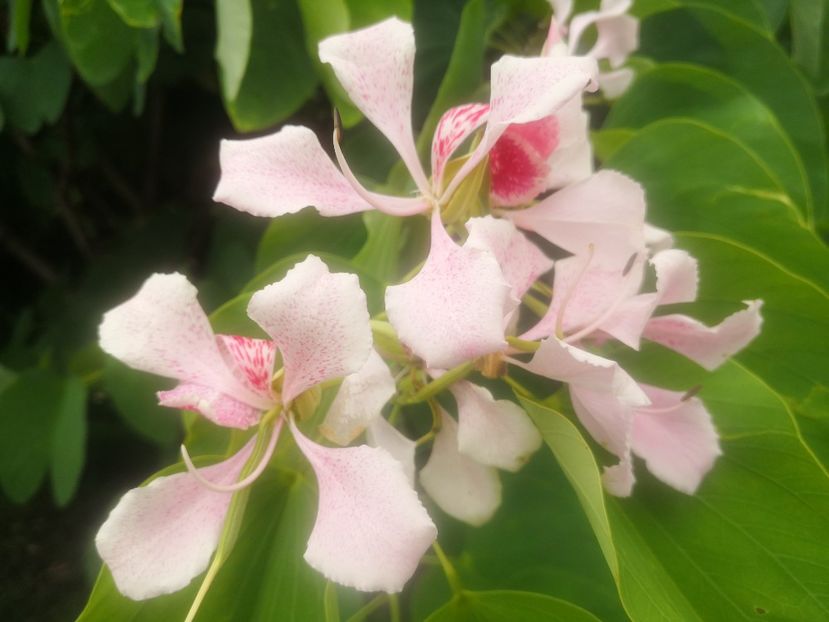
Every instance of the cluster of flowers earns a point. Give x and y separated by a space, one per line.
493 225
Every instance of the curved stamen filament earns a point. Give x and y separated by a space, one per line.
263 463
570 292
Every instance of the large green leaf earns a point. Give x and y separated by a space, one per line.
99 43
748 10
278 74
514 606
68 441
717 40
33 91
700 179
234 28
682 90
810 39
751 541
137 13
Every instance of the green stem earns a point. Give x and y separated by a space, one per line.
370 607
331 605
394 608
438 385
535 305
516 386
523 344
448 569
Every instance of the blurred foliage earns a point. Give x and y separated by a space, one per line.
111 114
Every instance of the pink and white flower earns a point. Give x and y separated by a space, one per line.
162 535
289 170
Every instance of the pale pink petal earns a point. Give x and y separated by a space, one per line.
162 535
521 261
375 65
676 438
617 34
677 276
629 319
560 361
605 212
219 408
359 401
518 166
614 83
454 127
453 310
572 159
462 487
251 360
282 173
319 321
396 206
587 293
493 432
658 239
708 346
561 9
380 433
607 417
371 529
618 479
524 90
163 330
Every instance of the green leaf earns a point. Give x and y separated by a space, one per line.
576 460
367 12
69 441
680 90
20 17
171 22
466 64
42 426
501 605
309 232
279 75
33 91
146 53
234 26
137 13
322 18
133 394
99 43
699 179
716 40
809 22
747 10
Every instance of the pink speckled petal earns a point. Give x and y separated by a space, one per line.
219 408
493 432
162 535
619 479
708 346
606 417
462 487
605 211
521 261
453 310
454 127
658 239
359 401
375 65
371 529
677 276
380 433
163 330
282 173
525 90
676 439
587 373
319 322
251 361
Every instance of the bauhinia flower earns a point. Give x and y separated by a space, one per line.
371 528
289 170
617 36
